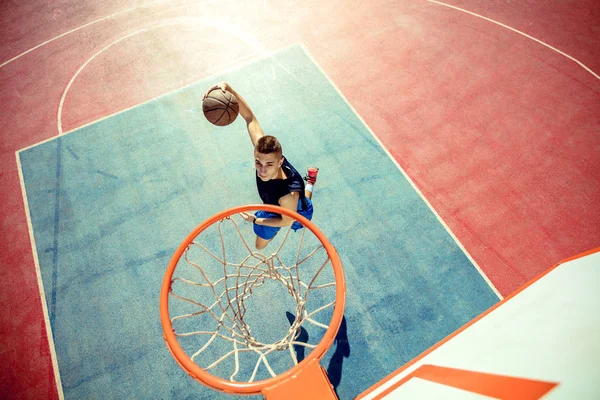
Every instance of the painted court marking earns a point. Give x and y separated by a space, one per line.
145 5
491 385
520 33
38 274
232 30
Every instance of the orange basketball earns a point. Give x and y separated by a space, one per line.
220 108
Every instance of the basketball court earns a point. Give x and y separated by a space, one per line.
449 180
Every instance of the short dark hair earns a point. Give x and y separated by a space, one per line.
268 144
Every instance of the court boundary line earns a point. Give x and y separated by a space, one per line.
520 33
414 186
38 273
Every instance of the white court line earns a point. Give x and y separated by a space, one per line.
224 68
64 95
460 245
225 28
79 28
38 273
520 33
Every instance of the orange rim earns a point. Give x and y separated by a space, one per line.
318 352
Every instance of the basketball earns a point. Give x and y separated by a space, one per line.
220 108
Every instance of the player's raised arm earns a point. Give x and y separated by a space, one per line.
254 129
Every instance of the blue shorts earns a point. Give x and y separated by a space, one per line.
269 232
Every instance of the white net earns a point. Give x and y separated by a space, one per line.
245 316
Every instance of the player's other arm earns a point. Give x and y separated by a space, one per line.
254 129
289 201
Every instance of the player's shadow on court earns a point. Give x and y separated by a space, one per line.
303 337
342 350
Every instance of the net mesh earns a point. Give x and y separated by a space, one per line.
217 312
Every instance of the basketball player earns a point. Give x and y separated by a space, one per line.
277 180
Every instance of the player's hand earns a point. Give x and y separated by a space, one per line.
222 85
248 217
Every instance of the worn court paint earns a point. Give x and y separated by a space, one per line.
132 186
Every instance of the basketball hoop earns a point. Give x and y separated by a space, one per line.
212 334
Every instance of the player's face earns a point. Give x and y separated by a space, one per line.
267 165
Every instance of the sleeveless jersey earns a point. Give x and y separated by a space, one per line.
271 191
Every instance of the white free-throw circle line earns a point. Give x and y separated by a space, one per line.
226 28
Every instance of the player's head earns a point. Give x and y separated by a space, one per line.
267 157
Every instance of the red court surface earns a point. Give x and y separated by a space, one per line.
498 132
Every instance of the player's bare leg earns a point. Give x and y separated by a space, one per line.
261 243
311 179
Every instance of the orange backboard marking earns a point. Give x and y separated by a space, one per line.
580 255
463 328
492 385
310 383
